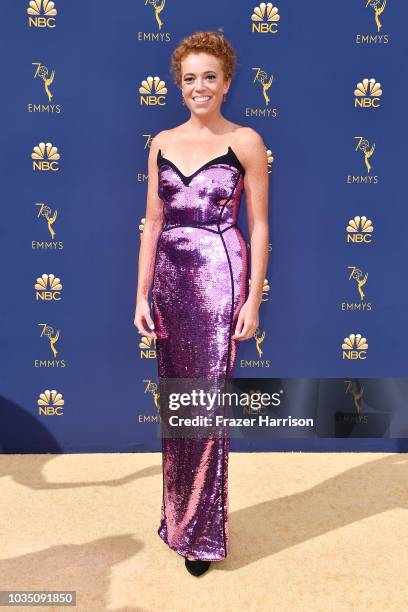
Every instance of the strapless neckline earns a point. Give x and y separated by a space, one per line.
229 156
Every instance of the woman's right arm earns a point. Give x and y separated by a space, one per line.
154 218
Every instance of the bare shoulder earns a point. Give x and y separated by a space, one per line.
248 137
249 146
159 142
164 138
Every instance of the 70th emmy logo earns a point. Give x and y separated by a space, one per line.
262 78
52 335
158 6
378 7
42 73
49 216
367 150
153 388
359 280
359 416
357 275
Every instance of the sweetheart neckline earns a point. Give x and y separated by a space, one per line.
207 163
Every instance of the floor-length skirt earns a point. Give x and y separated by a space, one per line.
195 315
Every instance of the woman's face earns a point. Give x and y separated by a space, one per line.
202 82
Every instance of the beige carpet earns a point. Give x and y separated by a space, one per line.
308 532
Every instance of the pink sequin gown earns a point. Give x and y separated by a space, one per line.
200 284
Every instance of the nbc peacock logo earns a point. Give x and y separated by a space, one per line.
50 403
265 290
48 288
367 94
142 226
41 14
147 347
270 160
255 405
265 18
359 230
354 347
153 91
45 157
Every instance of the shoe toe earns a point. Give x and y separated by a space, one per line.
197 567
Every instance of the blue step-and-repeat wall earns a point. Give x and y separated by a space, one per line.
85 88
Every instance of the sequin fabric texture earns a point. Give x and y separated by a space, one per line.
199 286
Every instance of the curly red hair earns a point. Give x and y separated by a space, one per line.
213 43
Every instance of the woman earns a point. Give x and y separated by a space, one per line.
195 256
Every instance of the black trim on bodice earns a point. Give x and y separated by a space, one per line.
229 158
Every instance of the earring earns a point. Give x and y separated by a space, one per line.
182 98
225 97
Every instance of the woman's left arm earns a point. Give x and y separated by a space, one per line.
253 155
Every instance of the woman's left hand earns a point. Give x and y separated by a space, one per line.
248 320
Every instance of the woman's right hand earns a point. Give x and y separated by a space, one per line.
143 321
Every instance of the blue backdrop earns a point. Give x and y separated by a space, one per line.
76 129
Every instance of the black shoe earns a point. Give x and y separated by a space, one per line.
197 567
